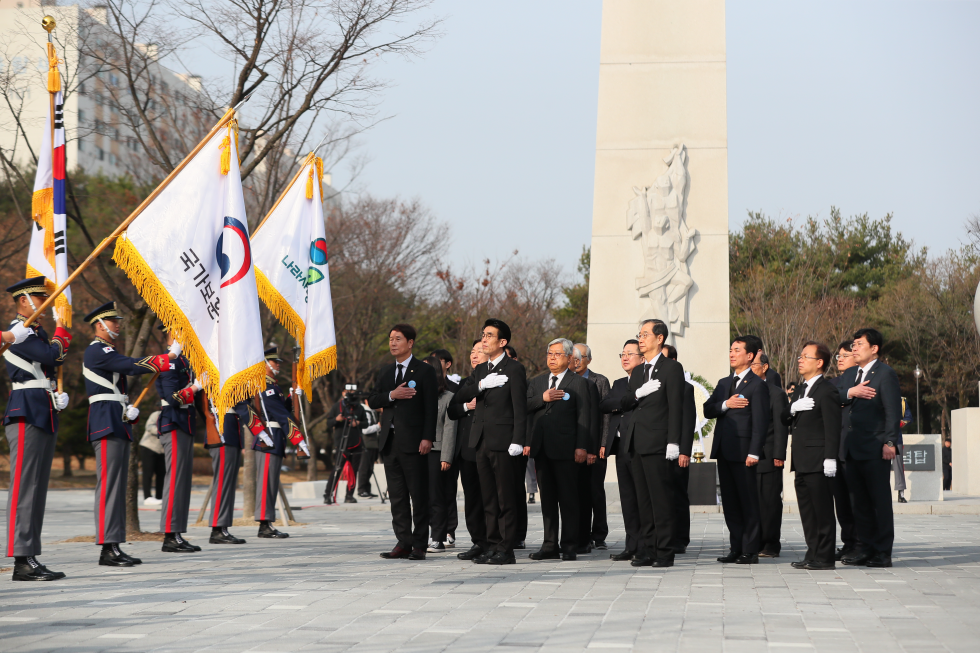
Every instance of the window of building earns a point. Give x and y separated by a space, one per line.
100 153
81 116
81 145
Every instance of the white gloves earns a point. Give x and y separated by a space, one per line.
264 436
673 452
515 449
455 378
20 332
801 405
306 449
647 388
493 380
60 400
175 348
132 413
196 386
830 467
374 428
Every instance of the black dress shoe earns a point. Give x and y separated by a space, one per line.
813 565
569 557
843 552
172 545
600 546
748 559
530 499
582 550
857 559
663 562
901 498
28 568
417 554
267 530
367 495
396 553
622 556
473 552
731 557
483 558
350 499
112 557
765 553
520 545
545 555
503 558
880 560
642 561
799 564
222 536
135 561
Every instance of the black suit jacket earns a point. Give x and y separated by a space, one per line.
658 418
816 432
558 428
776 438
690 421
464 419
739 431
601 383
414 419
870 423
612 406
501 413
841 454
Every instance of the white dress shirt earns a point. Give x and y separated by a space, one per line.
809 385
497 360
560 377
404 365
740 377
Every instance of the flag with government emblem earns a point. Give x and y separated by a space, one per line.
291 266
48 253
188 254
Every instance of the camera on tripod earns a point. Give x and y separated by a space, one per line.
354 395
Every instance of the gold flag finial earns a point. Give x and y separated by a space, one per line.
48 23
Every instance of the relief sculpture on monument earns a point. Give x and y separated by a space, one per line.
657 218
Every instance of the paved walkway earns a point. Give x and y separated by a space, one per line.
326 589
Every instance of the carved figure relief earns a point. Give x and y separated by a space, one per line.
658 219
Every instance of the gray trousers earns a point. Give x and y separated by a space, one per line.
111 472
531 477
178 447
267 468
898 467
31 451
224 462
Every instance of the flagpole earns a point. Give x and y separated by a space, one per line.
309 158
225 119
48 23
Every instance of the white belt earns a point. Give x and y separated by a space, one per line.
164 404
229 411
273 425
123 399
27 385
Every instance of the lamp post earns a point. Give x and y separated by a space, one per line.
918 424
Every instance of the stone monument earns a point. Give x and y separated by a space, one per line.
660 208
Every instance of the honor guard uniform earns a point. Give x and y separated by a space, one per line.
110 419
175 428
276 410
225 460
31 423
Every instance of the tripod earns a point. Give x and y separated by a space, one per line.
330 493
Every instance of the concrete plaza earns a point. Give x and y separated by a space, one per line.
326 589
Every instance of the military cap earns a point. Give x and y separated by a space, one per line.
272 354
106 311
32 286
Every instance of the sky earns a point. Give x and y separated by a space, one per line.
867 106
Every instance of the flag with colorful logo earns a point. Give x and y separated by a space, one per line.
291 265
48 253
189 256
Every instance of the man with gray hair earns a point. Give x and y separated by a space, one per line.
593 525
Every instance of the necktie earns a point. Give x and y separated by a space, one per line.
805 386
398 375
490 366
554 380
735 381
859 376
647 367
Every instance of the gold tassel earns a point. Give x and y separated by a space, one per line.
225 147
63 308
319 175
309 184
54 79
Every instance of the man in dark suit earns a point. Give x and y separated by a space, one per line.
559 406
593 524
653 438
769 471
842 494
630 359
681 472
872 409
473 510
740 403
498 435
407 391
815 417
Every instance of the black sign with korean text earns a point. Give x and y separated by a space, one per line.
919 457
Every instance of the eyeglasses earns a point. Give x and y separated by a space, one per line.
643 336
487 336
552 354
626 354
840 357
812 358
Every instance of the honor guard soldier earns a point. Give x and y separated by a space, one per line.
275 407
31 424
110 416
225 459
175 428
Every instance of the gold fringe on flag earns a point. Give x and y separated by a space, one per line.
42 211
225 147
239 387
317 168
54 79
320 364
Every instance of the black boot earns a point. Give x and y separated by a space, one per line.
266 529
28 568
182 540
220 535
174 543
113 556
350 498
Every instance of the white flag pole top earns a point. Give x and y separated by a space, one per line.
189 256
292 271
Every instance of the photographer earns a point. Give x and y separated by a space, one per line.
347 411
369 436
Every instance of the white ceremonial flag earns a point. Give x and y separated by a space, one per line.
188 254
291 266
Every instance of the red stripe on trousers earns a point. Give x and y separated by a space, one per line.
265 483
15 490
217 496
173 481
104 480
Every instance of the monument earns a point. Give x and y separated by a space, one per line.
660 208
